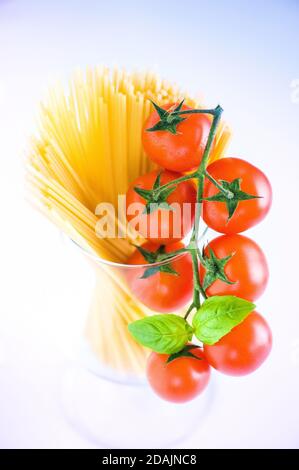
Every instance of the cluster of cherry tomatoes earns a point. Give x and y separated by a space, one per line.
231 264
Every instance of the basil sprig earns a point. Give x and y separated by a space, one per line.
170 333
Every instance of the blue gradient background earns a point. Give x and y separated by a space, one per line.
242 54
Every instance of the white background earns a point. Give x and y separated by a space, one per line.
241 54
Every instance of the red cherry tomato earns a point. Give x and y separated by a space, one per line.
244 349
181 380
247 268
162 225
248 213
177 152
162 292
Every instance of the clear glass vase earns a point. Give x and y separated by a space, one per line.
104 392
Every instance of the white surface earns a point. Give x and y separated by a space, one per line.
243 55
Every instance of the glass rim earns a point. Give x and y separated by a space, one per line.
115 264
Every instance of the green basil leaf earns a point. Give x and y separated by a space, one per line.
218 315
166 334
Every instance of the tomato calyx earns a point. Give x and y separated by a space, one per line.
230 193
169 120
214 268
185 352
156 198
155 257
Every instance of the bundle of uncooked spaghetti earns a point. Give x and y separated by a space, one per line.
88 150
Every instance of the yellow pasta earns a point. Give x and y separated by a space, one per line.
87 151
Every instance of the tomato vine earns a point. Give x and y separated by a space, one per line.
214 317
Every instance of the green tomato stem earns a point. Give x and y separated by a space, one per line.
229 194
198 289
201 171
174 182
195 111
200 257
172 254
197 285
192 306
199 174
